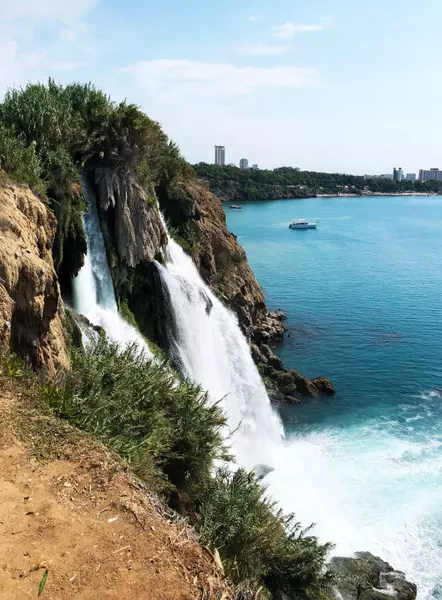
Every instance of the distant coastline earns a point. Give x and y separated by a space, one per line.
364 195
369 194
233 185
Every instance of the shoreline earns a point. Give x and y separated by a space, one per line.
370 195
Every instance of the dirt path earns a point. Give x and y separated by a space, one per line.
87 523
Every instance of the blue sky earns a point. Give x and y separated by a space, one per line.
339 85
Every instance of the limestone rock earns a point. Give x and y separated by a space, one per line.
276 362
304 385
30 303
324 385
138 232
257 355
368 577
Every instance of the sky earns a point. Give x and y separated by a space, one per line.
328 85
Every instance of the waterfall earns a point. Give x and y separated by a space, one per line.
211 349
207 342
94 295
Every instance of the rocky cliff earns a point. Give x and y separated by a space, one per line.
30 302
135 237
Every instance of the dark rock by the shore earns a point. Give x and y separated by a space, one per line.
324 385
368 577
283 386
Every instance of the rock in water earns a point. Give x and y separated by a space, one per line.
262 470
368 577
324 386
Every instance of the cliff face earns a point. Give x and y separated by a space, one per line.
131 217
30 302
135 237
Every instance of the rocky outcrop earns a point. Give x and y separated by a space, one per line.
131 215
324 386
30 302
134 236
368 577
287 386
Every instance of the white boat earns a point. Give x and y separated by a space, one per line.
302 224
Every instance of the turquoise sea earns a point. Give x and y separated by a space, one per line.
363 297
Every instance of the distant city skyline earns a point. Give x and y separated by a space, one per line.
429 174
397 173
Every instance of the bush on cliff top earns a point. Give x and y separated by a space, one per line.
50 133
257 541
20 161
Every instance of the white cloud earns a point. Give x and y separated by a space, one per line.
41 38
72 33
168 80
264 49
55 10
288 30
253 18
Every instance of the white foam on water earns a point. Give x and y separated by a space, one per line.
368 491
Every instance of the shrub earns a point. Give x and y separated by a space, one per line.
164 427
20 161
257 542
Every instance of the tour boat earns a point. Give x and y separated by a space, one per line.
302 224
235 206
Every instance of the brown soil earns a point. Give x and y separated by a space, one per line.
86 521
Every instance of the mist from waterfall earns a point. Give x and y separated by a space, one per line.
94 295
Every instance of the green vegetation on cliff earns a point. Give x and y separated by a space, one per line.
50 135
170 434
234 184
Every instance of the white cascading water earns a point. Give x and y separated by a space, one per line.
209 346
94 295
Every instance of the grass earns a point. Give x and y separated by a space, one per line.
257 541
